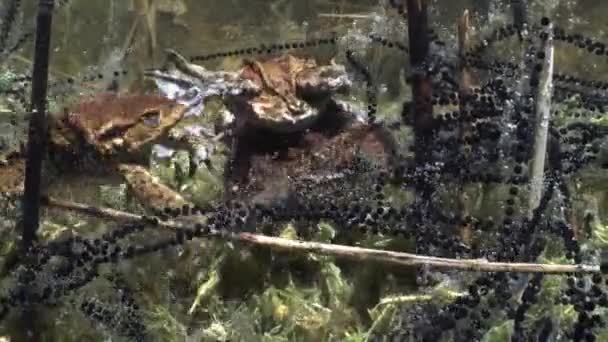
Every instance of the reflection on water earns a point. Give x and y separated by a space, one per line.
88 30
100 33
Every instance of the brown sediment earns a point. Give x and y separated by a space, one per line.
263 160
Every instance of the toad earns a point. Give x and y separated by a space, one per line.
293 92
279 106
115 129
284 94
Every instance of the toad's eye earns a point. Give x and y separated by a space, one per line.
151 118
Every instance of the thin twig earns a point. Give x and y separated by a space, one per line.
340 251
418 298
345 16
28 62
408 259
99 212
127 46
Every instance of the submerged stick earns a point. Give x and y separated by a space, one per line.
345 16
341 251
423 123
520 14
422 88
408 259
36 142
543 115
29 329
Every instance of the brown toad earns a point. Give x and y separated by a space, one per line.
115 128
283 94
286 83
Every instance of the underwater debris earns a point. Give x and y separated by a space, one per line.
273 99
264 164
283 94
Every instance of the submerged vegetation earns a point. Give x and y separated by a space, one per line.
211 167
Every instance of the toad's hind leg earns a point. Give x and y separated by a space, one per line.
148 190
200 143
